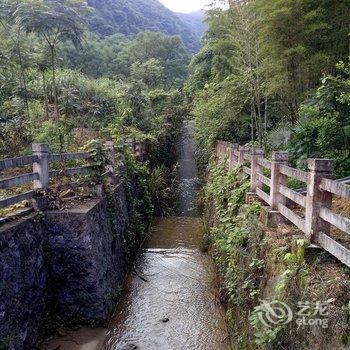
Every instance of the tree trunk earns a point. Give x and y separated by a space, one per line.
46 97
23 78
55 92
252 121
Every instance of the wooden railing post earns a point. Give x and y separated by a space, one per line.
111 156
316 198
277 179
241 152
232 163
222 150
217 150
255 169
41 167
111 151
227 154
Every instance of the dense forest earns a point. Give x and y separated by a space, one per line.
134 16
273 74
63 85
276 73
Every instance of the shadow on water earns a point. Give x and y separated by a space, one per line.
171 300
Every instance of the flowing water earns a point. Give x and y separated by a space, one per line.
171 299
188 172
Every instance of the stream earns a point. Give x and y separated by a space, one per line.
171 299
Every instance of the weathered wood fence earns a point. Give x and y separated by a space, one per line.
317 216
40 176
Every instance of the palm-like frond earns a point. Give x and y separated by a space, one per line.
54 20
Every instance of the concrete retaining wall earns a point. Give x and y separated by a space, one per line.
69 261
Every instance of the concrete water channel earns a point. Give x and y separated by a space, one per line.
171 299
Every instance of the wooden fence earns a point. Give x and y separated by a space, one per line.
40 161
316 217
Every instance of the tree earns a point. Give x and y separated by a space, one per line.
248 61
54 22
17 45
303 40
168 50
151 72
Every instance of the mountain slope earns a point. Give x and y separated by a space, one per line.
133 16
195 21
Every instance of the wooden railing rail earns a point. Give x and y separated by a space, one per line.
17 162
40 162
318 216
264 163
68 156
336 188
72 171
18 180
294 173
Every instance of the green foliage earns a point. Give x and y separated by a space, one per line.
163 191
236 243
322 131
131 17
266 73
6 342
300 38
59 89
140 206
150 73
98 158
293 277
218 115
264 335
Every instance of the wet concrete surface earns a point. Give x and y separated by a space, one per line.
83 339
171 301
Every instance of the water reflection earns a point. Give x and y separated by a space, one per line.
172 298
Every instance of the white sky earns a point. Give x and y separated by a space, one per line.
184 5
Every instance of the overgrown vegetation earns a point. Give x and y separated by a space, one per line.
257 265
63 85
275 73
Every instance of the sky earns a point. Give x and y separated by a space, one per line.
184 5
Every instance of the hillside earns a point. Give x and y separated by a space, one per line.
195 21
133 16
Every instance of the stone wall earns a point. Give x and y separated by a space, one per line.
23 283
69 262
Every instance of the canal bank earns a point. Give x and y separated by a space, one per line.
170 298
